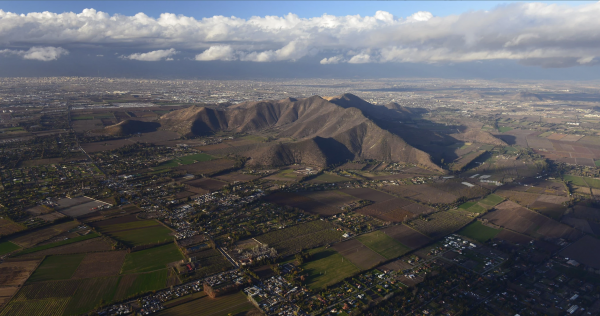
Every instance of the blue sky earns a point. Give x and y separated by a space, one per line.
246 9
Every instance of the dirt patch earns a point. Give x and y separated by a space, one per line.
51 217
407 236
359 254
15 273
100 264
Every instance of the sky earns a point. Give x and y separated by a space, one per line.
288 39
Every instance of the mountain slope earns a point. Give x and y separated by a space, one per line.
327 132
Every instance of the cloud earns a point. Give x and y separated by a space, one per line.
155 55
332 60
532 33
219 52
37 53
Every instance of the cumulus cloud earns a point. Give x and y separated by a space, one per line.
219 52
37 53
332 60
532 33
155 55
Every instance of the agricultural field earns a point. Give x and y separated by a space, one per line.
359 254
328 178
151 259
517 218
90 293
492 200
89 245
583 181
231 304
207 184
302 202
185 160
456 188
57 244
38 236
7 247
327 267
134 232
441 223
332 198
15 273
46 307
580 251
57 267
291 240
479 232
286 175
211 261
146 282
407 236
383 244
100 264
391 210
8 227
368 194
207 167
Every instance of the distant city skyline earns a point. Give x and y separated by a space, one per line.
246 39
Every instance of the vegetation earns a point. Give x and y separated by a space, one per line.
232 304
151 259
58 267
327 267
7 247
58 243
479 232
147 282
383 244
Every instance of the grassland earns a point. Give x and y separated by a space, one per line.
383 244
479 232
59 267
504 129
138 232
151 259
147 282
7 246
58 243
328 178
327 267
232 304
575 180
492 200
466 205
476 208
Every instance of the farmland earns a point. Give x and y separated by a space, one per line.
327 267
302 202
328 178
407 236
383 244
151 259
90 293
146 282
479 232
440 224
89 245
47 307
231 304
100 264
134 232
185 160
7 246
207 167
8 227
58 243
294 239
56 267
14 273
359 254
38 236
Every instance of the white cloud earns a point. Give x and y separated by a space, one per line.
219 52
155 55
532 33
48 53
332 60
361 58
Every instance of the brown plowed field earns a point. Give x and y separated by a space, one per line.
358 254
302 202
390 210
517 218
513 237
418 209
100 264
15 273
407 236
368 194
522 198
333 198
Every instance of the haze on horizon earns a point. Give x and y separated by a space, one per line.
515 40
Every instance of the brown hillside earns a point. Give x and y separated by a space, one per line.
128 127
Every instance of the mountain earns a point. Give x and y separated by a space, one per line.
328 131
128 127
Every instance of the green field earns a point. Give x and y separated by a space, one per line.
504 129
383 244
147 282
90 293
492 200
479 232
57 267
327 267
583 181
545 134
151 259
141 232
476 209
58 243
82 117
597 162
232 304
466 205
7 246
